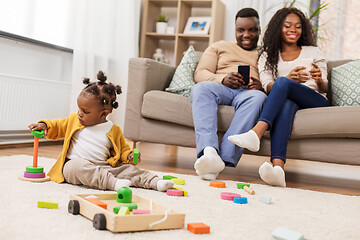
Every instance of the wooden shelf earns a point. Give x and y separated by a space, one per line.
179 42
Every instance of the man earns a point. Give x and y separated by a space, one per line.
219 83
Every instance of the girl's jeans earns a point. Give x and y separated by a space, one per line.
285 98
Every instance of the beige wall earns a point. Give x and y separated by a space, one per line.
340 30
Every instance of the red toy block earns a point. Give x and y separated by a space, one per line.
229 196
97 202
139 211
198 228
174 192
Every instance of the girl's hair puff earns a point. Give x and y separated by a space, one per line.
105 92
272 38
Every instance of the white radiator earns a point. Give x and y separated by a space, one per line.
24 100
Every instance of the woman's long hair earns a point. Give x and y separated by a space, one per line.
272 43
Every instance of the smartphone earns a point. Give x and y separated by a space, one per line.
244 70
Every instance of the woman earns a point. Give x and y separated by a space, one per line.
294 75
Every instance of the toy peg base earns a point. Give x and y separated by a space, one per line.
45 179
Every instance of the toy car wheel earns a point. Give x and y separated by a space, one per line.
99 221
74 207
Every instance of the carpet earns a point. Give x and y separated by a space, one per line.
316 215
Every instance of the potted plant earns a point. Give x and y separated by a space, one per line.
161 24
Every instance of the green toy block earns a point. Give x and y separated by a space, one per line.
136 156
124 195
47 204
168 177
38 133
31 169
241 185
129 206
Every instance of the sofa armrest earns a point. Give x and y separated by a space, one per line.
144 75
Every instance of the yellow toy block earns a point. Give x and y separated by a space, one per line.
178 181
124 211
48 204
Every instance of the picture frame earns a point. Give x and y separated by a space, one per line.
197 25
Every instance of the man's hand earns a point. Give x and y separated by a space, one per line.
255 85
233 80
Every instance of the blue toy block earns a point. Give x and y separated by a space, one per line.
240 200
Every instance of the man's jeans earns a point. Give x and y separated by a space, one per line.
205 98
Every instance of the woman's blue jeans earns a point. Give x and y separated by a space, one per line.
285 98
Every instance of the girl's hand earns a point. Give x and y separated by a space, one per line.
131 157
316 74
255 85
38 126
298 75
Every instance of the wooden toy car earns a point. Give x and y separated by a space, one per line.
160 217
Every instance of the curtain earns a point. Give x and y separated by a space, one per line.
105 35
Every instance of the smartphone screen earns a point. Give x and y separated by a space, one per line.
244 70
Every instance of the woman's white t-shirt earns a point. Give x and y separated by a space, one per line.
308 55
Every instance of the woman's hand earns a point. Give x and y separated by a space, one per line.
38 126
131 157
233 80
298 75
316 74
255 84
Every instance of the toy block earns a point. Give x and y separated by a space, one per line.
124 195
38 133
249 190
139 211
178 181
174 192
240 200
91 196
97 202
198 228
179 188
136 156
168 177
48 204
281 233
124 211
229 196
241 185
217 184
265 199
31 169
129 206
34 175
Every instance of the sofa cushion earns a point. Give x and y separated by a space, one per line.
183 79
308 123
345 80
177 109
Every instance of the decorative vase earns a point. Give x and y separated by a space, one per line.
161 27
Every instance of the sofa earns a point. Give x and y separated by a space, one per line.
322 135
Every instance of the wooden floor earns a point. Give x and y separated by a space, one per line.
165 158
